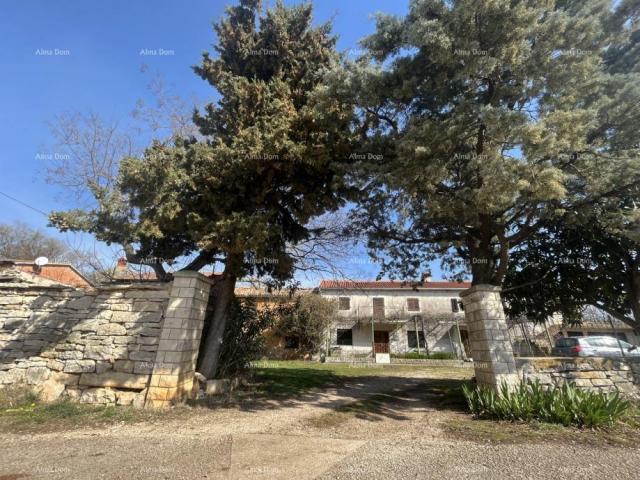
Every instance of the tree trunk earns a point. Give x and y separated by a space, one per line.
635 301
482 265
223 297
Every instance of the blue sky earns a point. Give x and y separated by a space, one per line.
98 69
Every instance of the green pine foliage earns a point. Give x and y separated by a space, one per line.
566 405
487 118
272 153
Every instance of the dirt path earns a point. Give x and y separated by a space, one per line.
373 427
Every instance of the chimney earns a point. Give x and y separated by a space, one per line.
121 268
426 277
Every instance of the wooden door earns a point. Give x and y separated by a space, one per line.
381 341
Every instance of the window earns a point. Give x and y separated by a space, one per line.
606 342
457 305
619 335
574 334
566 342
622 336
344 336
411 339
378 307
413 304
344 303
291 342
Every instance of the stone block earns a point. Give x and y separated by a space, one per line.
65 378
79 366
55 365
125 398
142 356
36 375
50 391
98 396
126 366
102 367
111 329
16 375
143 367
115 380
147 340
70 355
168 381
100 352
89 326
601 382
157 393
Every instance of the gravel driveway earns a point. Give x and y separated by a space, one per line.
312 436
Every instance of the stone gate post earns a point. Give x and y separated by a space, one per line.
489 339
174 367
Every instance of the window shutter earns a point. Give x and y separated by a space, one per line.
378 308
344 303
413 304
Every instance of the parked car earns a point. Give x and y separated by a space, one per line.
596 346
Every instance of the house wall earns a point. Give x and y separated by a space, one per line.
435 306
432 302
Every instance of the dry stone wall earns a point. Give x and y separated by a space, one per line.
596 374
97 346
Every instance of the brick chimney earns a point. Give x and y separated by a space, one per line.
426 277
121 268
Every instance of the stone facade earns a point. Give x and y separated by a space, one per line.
597 374
119 344
489 341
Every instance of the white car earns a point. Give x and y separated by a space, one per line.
596 346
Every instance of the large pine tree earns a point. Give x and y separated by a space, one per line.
272 158
487 118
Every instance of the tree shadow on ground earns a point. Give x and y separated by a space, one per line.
368 397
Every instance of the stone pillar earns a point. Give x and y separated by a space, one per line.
490 346
173 371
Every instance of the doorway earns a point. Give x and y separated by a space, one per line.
380 341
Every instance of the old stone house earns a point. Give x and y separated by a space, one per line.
396 317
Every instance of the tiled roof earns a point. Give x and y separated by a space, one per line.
389 284
58 272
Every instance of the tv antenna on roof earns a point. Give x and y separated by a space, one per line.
40 262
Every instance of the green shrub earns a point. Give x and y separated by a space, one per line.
423 356
306 319
243 338
566 405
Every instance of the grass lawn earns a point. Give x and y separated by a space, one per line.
64 415
286 378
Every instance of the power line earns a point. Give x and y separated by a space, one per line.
24 204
